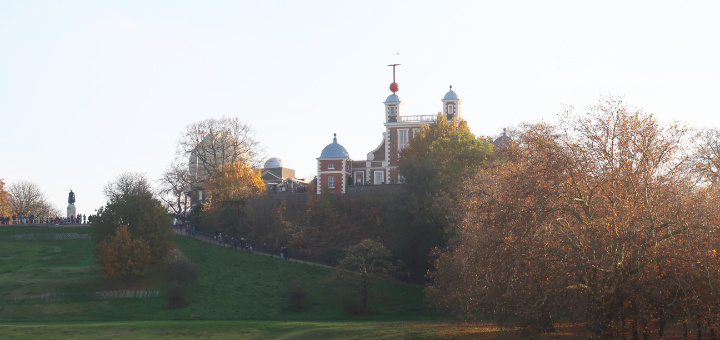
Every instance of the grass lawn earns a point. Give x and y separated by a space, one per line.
250 330
50 288
48 275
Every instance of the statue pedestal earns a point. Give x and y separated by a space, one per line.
71 210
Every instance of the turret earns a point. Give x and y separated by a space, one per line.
451 105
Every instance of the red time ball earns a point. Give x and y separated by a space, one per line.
394 87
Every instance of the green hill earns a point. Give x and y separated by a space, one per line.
48 275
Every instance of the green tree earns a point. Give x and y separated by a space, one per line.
127 183
119 255
443 155
362 265
436 164
146 220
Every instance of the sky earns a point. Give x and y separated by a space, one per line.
92 89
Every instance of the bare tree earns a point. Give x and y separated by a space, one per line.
26 198
707 156
174 187
212 143
127 183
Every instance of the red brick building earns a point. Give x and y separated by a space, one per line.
336 170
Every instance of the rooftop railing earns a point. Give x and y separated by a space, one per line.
417 118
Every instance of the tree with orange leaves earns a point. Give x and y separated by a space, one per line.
236 183
122 256
598 217
4 202
230 189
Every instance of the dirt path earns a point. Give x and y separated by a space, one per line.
212 241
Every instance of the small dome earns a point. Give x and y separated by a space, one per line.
393 98
274 163
451 95
504 141
334 150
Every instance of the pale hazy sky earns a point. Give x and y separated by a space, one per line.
92 89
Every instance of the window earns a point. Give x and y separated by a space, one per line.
416 131
450 109
402 139
331 166
392 110
379 177
331 182
359 178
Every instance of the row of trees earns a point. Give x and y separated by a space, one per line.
609 217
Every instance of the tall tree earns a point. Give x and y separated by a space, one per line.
707 156
209 144
442 155
599 216
27 199
146 220
436 165
362 265
230 189
130 182
174 187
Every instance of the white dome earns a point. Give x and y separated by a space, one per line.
274 163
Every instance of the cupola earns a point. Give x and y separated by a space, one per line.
451 105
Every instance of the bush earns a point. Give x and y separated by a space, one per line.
176 298
181 270
122 256
145 218
297 295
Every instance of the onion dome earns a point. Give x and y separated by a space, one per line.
334 150
451 95
274 163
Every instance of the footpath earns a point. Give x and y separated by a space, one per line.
209 239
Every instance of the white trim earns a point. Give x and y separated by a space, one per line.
355 177
407 139
375 173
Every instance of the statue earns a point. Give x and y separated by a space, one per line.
71 206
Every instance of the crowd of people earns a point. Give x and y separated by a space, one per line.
32 219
